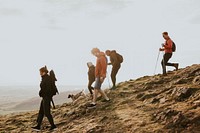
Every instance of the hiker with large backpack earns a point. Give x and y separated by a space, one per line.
46 92
115 60
91 77
168 47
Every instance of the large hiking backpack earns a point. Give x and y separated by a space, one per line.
120 58
173 47
54 89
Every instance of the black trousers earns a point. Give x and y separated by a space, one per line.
114 72
165 62
45 110
90 88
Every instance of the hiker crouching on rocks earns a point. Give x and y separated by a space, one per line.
168 48
91 77
100 75
115 60
46 95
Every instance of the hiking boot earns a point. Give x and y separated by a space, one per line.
36 128
92 105
164 74
113 88
176 66
53 128
106 100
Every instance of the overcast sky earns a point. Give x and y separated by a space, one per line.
61 33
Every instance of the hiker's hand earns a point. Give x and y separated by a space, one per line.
161 49
163 44
102 79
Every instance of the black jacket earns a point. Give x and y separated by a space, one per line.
46 86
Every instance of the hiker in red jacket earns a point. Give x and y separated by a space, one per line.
100 75
167 48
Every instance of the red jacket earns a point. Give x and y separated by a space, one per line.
101 66
168 46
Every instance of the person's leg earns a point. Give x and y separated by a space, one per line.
98 88
41 114
166 58
103 94
39 118
90 88
95 96
47 110
114 72
176 65
163 66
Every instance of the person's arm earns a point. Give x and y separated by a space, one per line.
162 49
97 68
42 88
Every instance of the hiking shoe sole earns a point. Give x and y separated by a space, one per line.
37 130
92 106
55 129
106 100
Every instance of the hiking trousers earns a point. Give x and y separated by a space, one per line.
114 72
165 62
90 88
45 110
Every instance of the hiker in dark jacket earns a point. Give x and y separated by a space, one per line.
167 48
91 76
45 92
115 60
